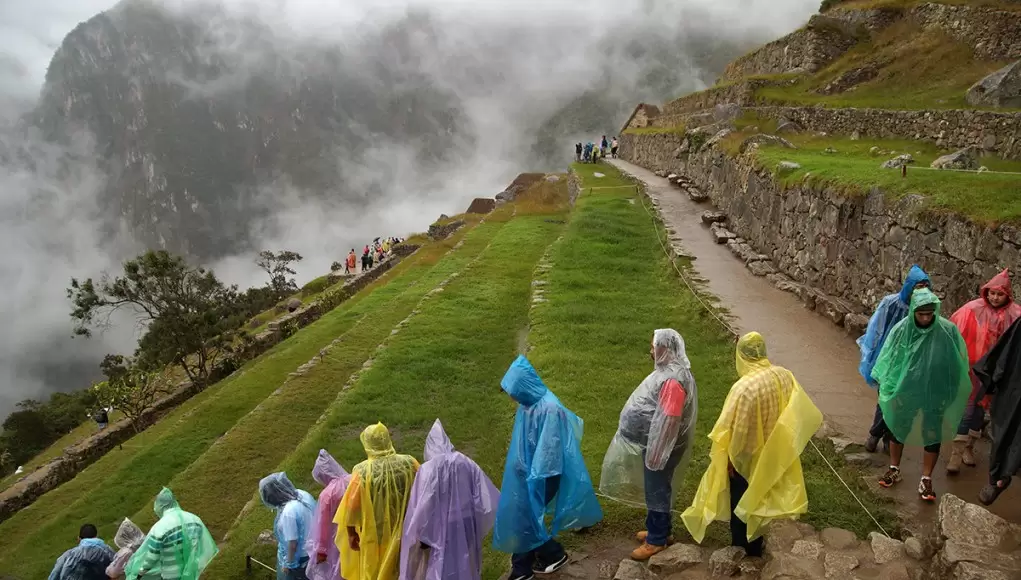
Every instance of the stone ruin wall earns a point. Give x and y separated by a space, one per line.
84 453
853 248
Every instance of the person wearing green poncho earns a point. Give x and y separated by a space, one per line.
924 386
178 547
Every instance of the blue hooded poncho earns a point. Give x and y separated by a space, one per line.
545 443
891 310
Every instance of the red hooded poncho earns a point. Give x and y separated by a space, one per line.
980 324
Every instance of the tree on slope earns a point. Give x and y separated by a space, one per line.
278 266
129 388
190 315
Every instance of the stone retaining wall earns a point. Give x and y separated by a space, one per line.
853 248
995 34
438 232
84 453
808 49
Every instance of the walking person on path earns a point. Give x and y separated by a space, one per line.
371 516
614 144
603 144
323 555
981 322
452 508
577 151
755 458
87 560
544 463
646 461
891 310
349 264
922 373
177 547
128 539
999 373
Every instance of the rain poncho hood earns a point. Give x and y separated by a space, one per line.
293 519
656 428
374 505
980 324
452 508
766 422
177 546
128 539
323 533
86 561
892 308
545 445
999 372
923 377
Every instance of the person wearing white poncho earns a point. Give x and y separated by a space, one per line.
645 463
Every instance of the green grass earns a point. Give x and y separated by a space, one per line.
872 4
446 362
988 198
125 481
917 69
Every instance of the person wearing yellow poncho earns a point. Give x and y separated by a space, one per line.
754 475
370 520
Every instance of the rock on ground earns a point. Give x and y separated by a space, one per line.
914 548
898 162
967 523
1000 89
966 158
724 562
762 138
839 565
839 539
631 570
709 217
788 127
807 549
886 549
781 535
676 558
788 166
787 566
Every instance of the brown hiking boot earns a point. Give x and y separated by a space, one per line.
646 551
968 452
642 535
956 456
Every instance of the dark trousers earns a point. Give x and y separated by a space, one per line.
879 428
546 554
934 448
739 529
658 492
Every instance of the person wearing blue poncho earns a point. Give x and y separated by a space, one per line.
544 473
891 310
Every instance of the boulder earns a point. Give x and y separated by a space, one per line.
787 166
266 537
631 570
967 523
838 539
781 536
725 112
711 217
724 562
697 195
839 565
886 549
855 324
676 558
807 549
761 268
717 137
898 162
293 304
762 138
1000 89
894 571
789 567
914 548
966 158
829 151
785 126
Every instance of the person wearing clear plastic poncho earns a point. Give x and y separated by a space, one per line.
645 464
86 561
128 540
323 555
371 514
290 526
754 475
177 547
981 322
924 386
544 474
891 310
999 373
452 507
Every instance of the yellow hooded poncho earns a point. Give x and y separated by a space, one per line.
374 505
764 426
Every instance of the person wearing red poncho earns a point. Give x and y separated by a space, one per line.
981 322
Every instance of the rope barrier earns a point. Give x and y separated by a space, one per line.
735 334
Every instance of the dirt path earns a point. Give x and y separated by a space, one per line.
820 354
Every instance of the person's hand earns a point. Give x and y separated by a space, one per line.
320 558
353 541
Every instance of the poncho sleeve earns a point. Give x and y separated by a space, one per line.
665 425
872 341
968 325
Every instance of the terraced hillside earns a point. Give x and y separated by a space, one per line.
580 289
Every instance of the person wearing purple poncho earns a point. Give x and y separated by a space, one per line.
452 507
323 555
545 472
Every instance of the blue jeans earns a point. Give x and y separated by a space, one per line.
739 529
294 573
974 417
548 553
658 492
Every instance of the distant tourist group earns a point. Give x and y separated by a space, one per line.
394 518
372 254
592 152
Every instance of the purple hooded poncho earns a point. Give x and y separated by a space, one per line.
330 474
452 507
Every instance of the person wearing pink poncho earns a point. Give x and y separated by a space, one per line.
323 555
452 507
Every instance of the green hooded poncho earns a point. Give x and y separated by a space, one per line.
923 377
178 545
